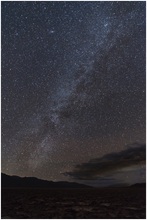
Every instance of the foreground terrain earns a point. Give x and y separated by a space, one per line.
105 203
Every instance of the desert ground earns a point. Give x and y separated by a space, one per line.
92 203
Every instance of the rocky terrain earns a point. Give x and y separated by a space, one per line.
90 203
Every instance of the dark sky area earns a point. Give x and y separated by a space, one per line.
73 91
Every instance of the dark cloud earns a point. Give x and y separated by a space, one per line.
110 163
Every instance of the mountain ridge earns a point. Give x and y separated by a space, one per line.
138 185
8 181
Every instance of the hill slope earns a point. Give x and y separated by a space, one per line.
15 181
139 185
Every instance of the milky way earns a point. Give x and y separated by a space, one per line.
73 85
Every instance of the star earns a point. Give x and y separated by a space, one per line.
73 85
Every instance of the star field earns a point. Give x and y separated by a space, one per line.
73 85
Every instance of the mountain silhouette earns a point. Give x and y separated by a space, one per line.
33 182
139 185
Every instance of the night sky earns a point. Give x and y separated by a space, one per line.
73 91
